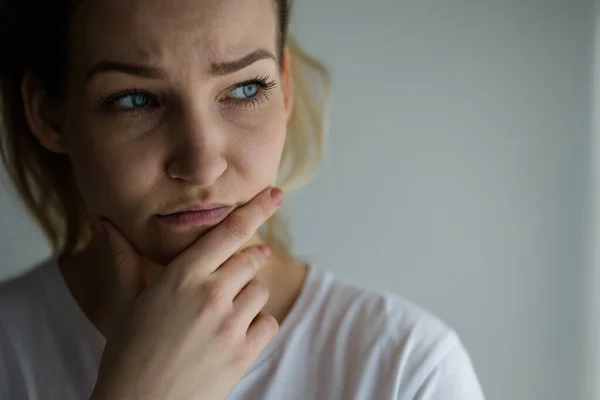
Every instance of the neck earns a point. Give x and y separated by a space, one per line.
89 274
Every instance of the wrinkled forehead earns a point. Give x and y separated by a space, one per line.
172 31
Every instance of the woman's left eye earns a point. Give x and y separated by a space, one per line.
245 91
250 94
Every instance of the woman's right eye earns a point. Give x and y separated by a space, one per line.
131 101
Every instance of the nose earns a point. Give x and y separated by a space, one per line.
199 152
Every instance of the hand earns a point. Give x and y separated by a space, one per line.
196 330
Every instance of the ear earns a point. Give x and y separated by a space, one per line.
288 82
41 114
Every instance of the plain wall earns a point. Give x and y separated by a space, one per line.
456 175
592 319
457 172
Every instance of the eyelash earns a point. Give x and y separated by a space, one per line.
265 86
264 83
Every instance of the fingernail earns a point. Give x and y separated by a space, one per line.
277 196
265 250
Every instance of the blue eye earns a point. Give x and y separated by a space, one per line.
132 100
246 91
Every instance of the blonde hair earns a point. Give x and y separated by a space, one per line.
306 136
45 182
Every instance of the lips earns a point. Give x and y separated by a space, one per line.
207 215
194 208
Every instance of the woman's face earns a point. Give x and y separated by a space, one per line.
173 104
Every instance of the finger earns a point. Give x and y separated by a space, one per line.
249 302
241 268
217 245
128 265
261 331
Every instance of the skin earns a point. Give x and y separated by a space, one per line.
192 141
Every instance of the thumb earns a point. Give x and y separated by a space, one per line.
129 273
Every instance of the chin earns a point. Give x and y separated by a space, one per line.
163 249
164 255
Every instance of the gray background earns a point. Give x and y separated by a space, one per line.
457 174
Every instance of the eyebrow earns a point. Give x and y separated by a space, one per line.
131 69
216 69
234 66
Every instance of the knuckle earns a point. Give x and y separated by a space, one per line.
260 254
271 324
267 325
241 258
267 208
216 295
237 227
261 290
118 258
229 330
250 261
243 354
181 279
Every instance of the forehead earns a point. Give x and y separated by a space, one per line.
164 31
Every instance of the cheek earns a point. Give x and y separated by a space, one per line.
111 177
260 152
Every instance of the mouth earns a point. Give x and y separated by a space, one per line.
197 216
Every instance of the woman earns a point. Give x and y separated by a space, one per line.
146 138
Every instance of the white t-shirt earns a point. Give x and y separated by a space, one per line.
338 342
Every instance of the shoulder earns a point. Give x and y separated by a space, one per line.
21 303
45 338
416 349
23 298
23 288
383 315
